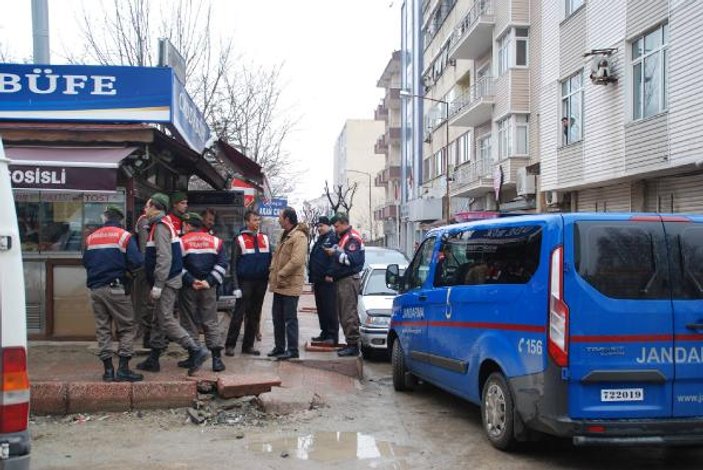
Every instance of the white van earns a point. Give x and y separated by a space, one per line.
14 382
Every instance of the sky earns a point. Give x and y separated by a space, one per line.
332 51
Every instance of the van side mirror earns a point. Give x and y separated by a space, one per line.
393 277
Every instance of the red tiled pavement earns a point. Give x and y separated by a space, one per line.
63 369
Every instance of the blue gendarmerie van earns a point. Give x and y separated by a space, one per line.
586 325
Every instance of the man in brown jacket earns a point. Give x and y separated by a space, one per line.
286 279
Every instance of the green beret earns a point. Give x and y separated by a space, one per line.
115 209
192 218
162 199
178 196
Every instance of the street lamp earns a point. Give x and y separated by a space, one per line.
370 213
406 94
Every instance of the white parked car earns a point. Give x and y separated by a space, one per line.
375 309
14 408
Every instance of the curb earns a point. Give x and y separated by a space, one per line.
60 398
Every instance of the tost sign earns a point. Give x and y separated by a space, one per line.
101 94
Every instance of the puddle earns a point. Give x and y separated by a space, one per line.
330 447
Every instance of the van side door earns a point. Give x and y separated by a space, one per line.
496 304
616 287
409 308
685 241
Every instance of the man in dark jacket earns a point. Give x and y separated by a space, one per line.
110 253
251 259
204 267
320 276
163 263
347 262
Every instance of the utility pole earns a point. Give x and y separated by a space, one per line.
40 31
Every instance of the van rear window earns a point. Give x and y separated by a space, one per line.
691 256
623 260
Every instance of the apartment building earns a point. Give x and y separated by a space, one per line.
571 105
631 142
356 162
388 148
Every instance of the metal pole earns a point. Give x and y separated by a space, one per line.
371 223
446 143
40 31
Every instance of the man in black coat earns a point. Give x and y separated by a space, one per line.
320 273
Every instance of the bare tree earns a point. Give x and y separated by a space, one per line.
341 197
310 214
243 106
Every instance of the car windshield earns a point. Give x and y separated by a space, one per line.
384 256
376 284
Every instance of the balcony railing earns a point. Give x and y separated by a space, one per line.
472 172
481 10
482 89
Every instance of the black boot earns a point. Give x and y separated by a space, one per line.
126 375
200 355
109 375
186 363
146 339
217 364
152 362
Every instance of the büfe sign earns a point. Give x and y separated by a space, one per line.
101 94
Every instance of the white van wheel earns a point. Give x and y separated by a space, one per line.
400 370
497 412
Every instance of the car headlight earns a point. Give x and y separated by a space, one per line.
378 318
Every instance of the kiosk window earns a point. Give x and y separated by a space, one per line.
504 255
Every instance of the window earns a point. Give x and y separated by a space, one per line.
504 255
463 145
622 260
420 266
521 47
376 283
58 221
513 50
484 148
438 163
570 6
649 64
521 135
504 54
572 109
504 139
690 260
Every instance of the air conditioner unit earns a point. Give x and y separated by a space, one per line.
552 198
525 183
489 202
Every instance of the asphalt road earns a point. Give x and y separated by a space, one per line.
372 427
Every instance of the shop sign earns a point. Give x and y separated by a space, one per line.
272 207
58 178
93 93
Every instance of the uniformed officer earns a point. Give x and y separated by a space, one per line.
251 259
347 262
204 268
143 306
319 268
163 263
110 253
179 207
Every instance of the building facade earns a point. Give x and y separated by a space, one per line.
387 147
571 105
355 162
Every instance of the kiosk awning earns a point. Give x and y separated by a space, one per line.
66 168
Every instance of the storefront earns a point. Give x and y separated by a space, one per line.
63 175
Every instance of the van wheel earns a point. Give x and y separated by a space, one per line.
497 412
400 371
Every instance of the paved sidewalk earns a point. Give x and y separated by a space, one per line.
65 376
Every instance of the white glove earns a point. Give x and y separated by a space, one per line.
156 293
238 294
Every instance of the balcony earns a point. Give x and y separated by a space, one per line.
473 36
387 175
475 106
381 146
392 99
388 210
381 113
473 179
393 135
